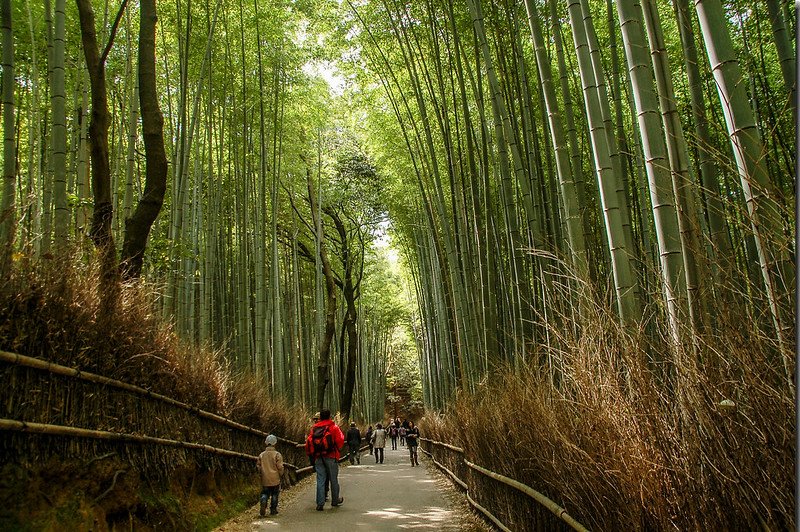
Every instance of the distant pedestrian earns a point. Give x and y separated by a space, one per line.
393 436
322 445
270 467
412 436
379 442
402 433
354 443
368 437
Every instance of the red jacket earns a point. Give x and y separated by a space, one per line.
335 431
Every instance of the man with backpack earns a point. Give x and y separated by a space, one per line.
322 447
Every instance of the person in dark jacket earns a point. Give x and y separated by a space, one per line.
412 437
368 437
353 438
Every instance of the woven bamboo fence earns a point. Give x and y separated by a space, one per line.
75 414
499 497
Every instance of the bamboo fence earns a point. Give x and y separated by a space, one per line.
78 414
451 460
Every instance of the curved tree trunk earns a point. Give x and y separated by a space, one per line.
137 227
323 362
100 232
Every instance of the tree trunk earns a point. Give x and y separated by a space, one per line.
100 232
7 208
323 362
137 227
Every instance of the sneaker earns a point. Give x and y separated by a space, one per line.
339 502
320 507
273 512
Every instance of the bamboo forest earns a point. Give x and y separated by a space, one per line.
556 235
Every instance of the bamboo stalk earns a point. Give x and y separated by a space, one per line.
35 363
560 512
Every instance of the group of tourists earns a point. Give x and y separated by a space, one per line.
406 431
322 446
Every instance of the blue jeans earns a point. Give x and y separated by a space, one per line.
270 493
327 468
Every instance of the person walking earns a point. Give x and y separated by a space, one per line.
402 433
368 437
379 442
412 438
354 443
270 468
322 445
315 420
393 436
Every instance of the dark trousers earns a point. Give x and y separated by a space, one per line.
394 443
378 455
355 455
270 493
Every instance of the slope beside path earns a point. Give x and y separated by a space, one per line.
388 496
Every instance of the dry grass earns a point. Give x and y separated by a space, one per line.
626 444
52 310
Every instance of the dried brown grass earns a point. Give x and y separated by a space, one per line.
627 444
52 310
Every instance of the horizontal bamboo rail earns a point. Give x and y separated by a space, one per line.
43 365
14 425
488 514
443 444
61 430
463 484
443 468
560 512
542 499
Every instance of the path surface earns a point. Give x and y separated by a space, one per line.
388 496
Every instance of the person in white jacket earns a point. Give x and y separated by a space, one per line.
379 442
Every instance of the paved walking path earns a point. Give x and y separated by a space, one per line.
388 496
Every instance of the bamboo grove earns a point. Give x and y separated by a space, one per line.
635 154
542 162
223 161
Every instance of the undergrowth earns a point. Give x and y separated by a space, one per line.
53 310
624 442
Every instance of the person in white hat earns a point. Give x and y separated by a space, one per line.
270 466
